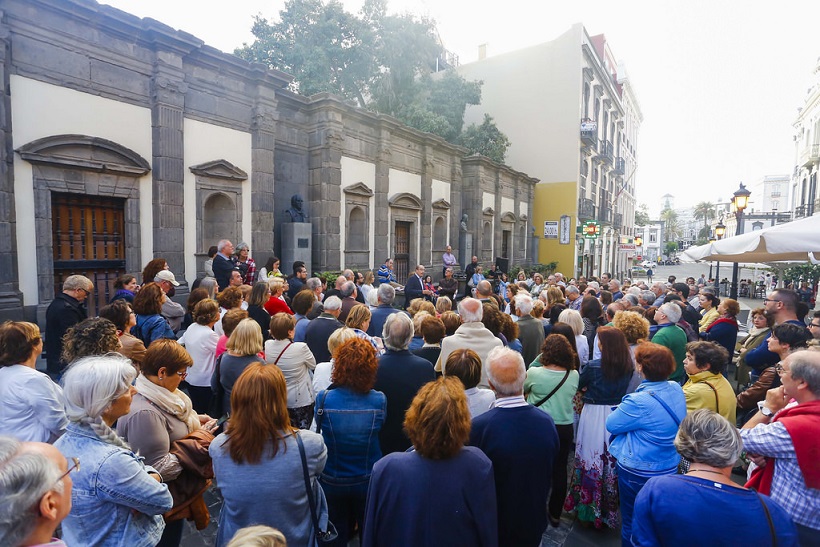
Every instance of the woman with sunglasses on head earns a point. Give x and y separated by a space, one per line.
116 499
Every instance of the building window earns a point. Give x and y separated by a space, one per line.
357 230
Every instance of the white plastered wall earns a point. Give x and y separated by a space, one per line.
41 110
507 204
355 171
207 142
523 208
403 182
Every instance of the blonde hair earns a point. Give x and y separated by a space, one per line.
418 319
258 536
443 304
573 319
339 337
246 338
276 285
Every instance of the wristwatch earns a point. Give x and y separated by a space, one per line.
764 410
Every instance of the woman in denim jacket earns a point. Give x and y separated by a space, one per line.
116 499
349 415
644 427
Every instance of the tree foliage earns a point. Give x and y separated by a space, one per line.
382 62
642 215
486 139
672 227
671 247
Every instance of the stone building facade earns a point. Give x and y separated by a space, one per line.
124 140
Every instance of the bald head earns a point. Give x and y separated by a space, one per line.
506 372
470 310
484 289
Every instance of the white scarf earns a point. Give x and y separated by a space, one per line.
175 402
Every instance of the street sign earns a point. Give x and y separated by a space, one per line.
550 229
591 229
627 247
564 230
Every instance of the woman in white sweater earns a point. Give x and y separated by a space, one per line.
200 341
296 361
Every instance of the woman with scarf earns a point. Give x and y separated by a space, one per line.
160 415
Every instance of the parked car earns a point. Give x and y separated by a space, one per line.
648 264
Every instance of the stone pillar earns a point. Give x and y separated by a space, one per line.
455 206
498 231
263 141
381 228
168 90
325 188
11 299
426 222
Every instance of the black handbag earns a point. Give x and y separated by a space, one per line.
325 536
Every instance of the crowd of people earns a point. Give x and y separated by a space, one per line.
479 415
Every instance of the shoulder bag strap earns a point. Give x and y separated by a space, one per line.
666 406
717 400
309 490
282 353
320 412
768 518
551 393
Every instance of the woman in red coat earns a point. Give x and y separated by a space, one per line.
276 304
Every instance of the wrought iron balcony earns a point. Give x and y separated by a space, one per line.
589 132
586 209
605 152
801 211
617 221
620 166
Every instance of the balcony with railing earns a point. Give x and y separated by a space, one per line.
617 221
586 209
809 155
605 152
589 132
801 211
620 166
605 215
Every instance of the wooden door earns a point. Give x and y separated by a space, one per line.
88 234
401 257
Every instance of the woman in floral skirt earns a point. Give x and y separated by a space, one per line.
593 491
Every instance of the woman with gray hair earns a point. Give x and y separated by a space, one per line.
117 499
671 506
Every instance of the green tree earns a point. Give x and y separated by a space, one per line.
671 247
642 216
486 139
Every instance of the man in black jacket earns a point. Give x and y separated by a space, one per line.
223 264
319 330
66 310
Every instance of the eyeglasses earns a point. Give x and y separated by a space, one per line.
183 373
76 466
814 325
778 368
770 300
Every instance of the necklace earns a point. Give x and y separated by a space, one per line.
704 471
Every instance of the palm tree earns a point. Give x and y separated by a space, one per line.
672 229
706 211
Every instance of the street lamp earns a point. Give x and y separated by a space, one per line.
720 231
740 201
712 239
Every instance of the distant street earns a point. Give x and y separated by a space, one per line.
684 270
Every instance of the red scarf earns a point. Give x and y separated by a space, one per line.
729 320
803 424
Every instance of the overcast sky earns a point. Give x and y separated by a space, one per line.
719 82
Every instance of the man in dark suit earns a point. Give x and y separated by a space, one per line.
400 375
320 329
66 310
348 295
385 295
414 288
223 264
469 271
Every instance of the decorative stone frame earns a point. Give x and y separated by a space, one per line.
507 222
214 178
487 239
82 164
441 211
405 207
357 196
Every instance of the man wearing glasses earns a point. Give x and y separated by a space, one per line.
782 305
66 310
43 496
814 326
784 438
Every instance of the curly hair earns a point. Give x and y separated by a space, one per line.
708 355
118 312
92 336
206 312
509 328
420 304
492 319
558 351
355 365
438 420
452 321
732 306
230 298
762 312
632 325
152 269
149 300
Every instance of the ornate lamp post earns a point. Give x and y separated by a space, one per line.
740 202
720 231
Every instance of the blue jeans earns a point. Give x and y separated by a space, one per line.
629 484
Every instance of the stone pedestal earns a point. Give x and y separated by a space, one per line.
296 245
465 248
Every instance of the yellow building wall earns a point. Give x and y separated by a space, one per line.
552 200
